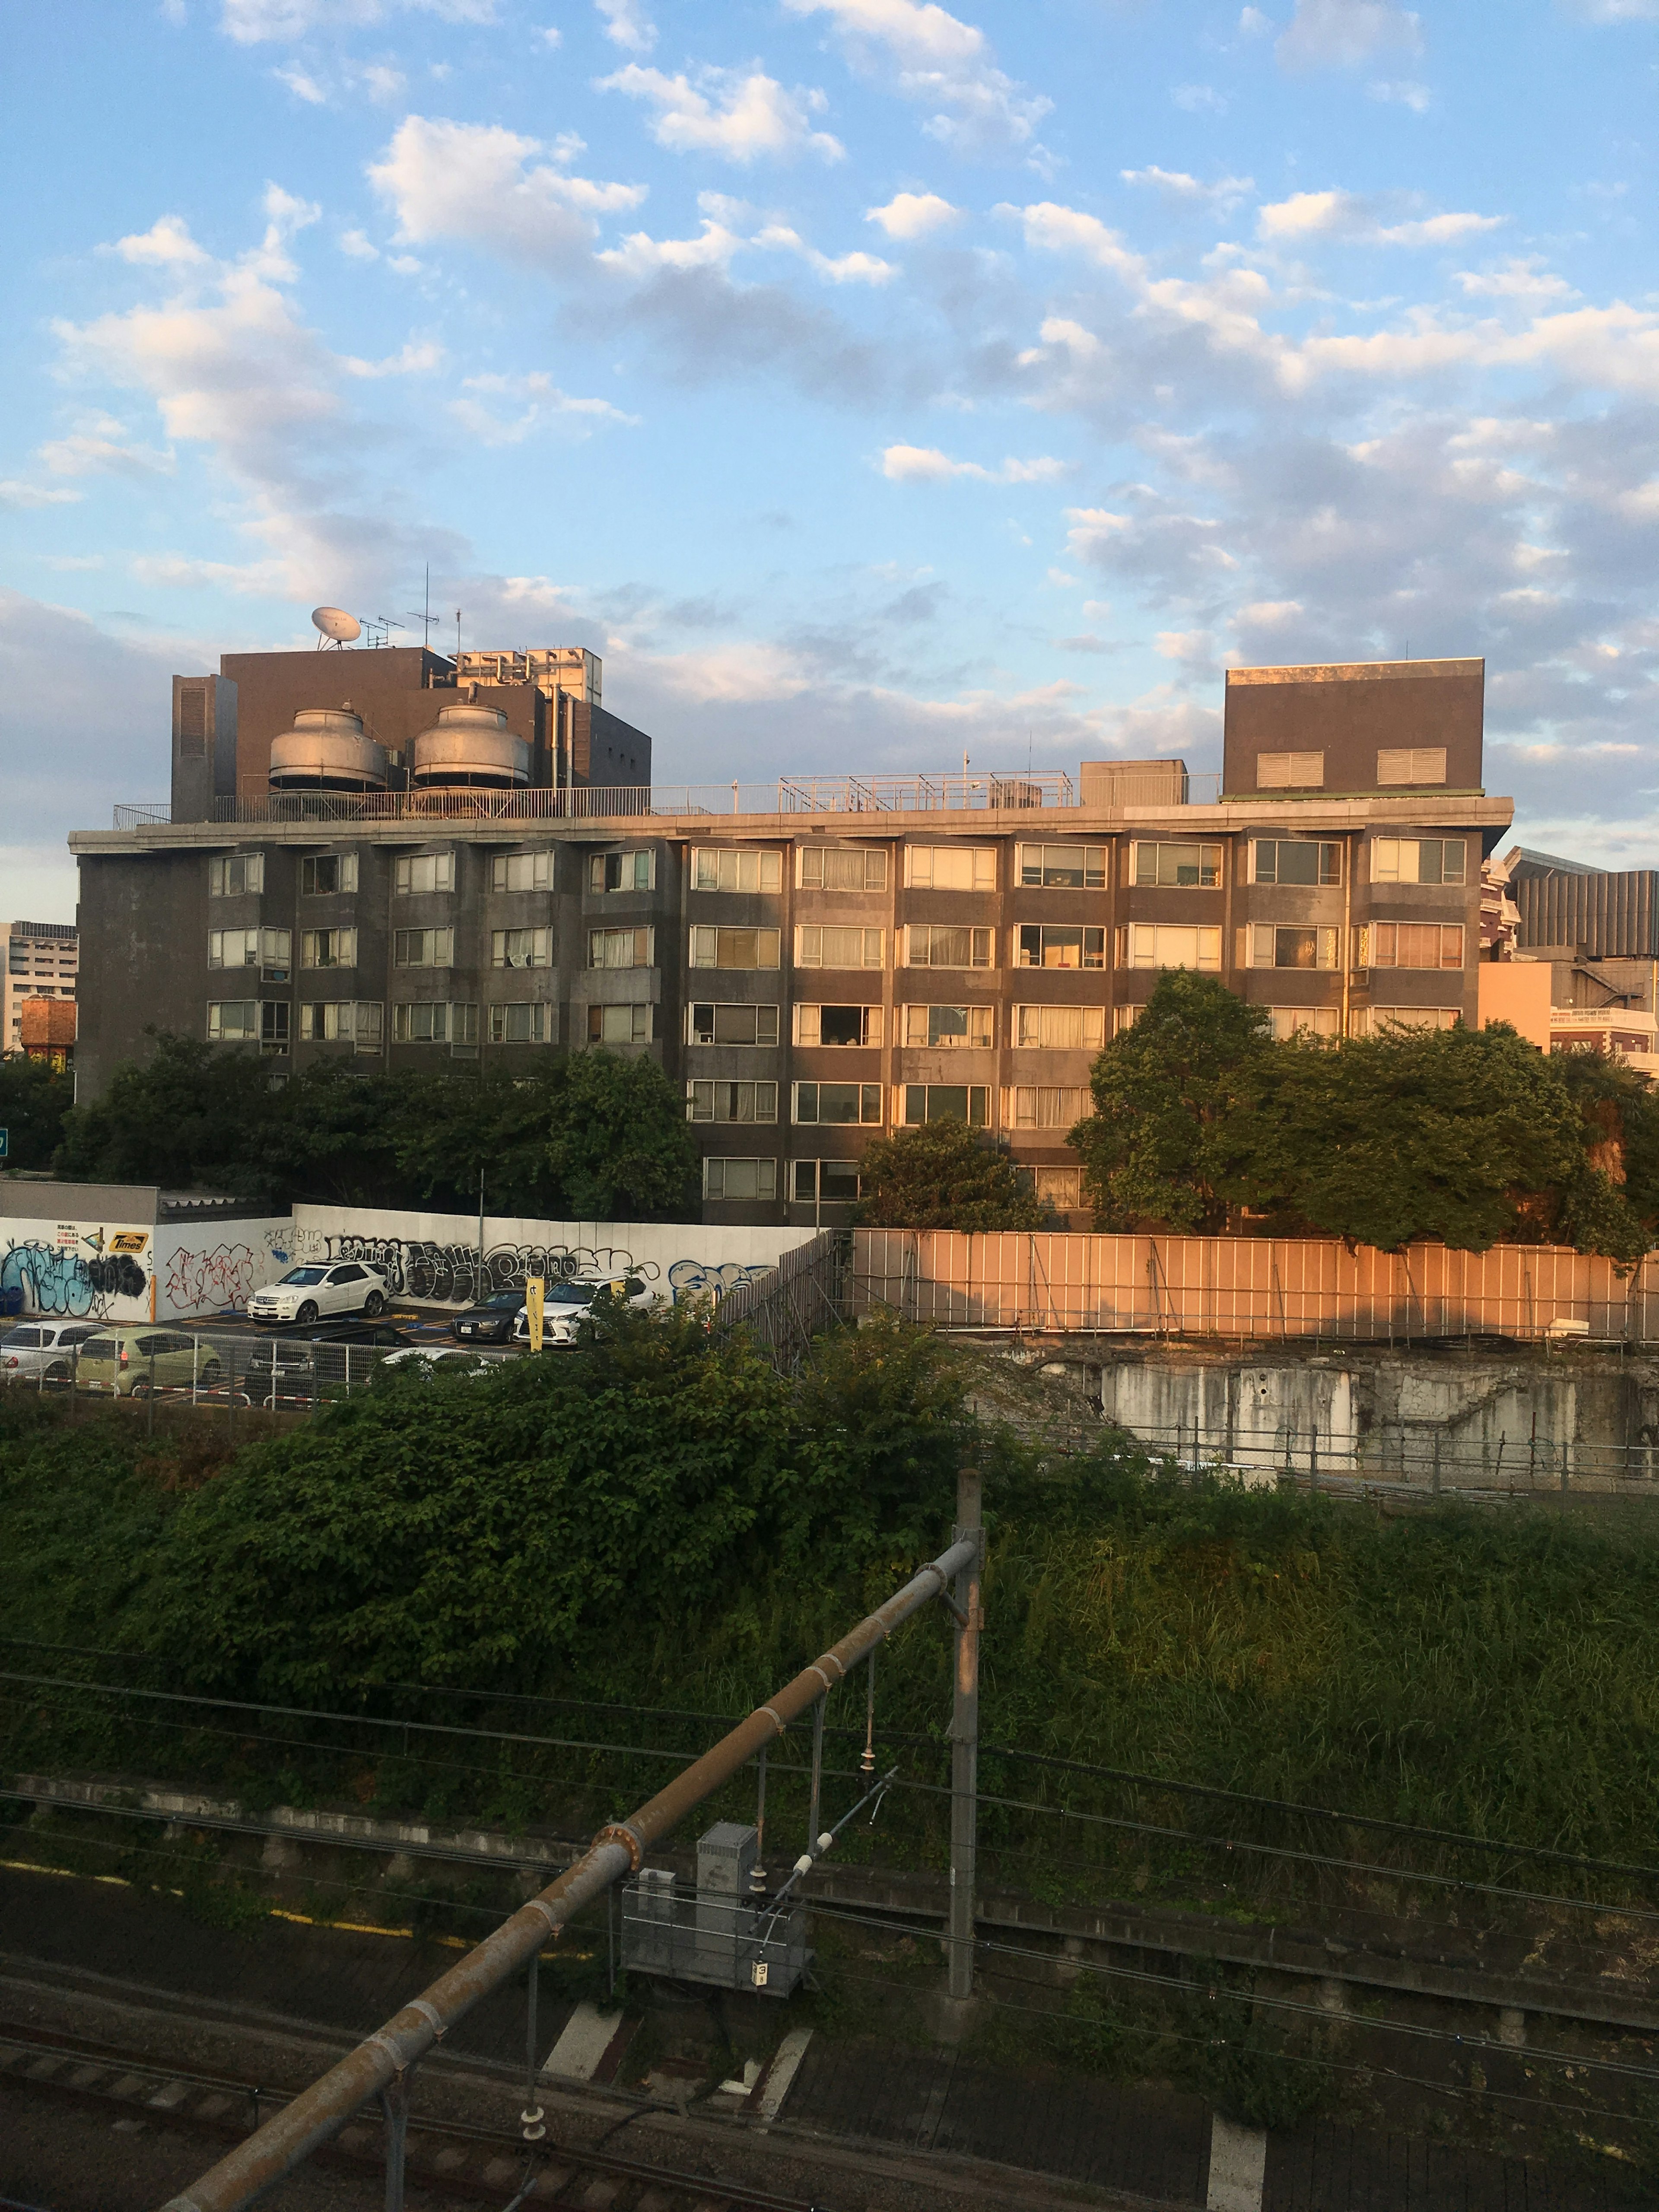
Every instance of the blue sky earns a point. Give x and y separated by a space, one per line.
870 383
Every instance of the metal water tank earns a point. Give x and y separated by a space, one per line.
471 746
326 749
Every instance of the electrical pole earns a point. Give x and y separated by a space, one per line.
481 1274
964 1739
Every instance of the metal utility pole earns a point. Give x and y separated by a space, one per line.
481 1279
964 1736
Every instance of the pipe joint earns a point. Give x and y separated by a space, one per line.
618 1831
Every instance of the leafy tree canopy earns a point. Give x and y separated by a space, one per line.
945 1176
33 1100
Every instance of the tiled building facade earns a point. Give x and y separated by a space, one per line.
852 960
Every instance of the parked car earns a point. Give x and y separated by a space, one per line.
289 1362
304 1294
567 1304
127 1362
37 1352
489 1320
428 1358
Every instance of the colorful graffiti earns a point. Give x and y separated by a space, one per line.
448 1274
58 1280
223 1279
691 1278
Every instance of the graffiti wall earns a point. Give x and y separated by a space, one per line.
435 1255
119 1271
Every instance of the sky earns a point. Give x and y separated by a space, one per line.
871 384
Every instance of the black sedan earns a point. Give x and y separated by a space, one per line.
490 1321
300 1362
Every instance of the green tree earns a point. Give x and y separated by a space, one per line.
192 1113
945 1176
1169 1093
1409 1133
619 1145
34 1101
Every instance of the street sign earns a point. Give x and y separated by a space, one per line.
5 1143
535 1291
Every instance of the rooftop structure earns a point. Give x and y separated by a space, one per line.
42 962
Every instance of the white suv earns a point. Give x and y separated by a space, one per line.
306 1293
565 1303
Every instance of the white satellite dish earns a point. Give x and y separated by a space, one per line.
335 624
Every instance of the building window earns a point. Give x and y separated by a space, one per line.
1412 945
425 871
434 1022
1398 764
270 949
423 948
1297 860
622 948
1370 1021
621 1024
321 873
1045 1105
746 1179
854 1102
343 1021
948 1026
732 1025
1047 945
940 944
1417 860
1123 1018
328 948
238 872
1147 945
1060 1029
726 868
843 868
622 872
826 1183
1062 867
1178 868
520 948
732 1102
837 1025
249 1021
1060 1189
734 948
950 867
944 1102
522 872
523 1021
1268 944
1290 771
819 947
1305 1021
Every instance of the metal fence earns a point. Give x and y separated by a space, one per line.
1254 1289
1425 1455
789 1304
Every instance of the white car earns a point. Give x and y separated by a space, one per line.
306 1293
44 1350
566 1304
426 1359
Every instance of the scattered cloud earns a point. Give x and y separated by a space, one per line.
167 244
927 464
357 246
301 84
258 22
1176 185
1401 92
102 446
15 494
627 26
1253 24
740 117
417 357
936 60
1341 33
541 403
910 216
1353 218
484 186
1199 98
838 269
1524 280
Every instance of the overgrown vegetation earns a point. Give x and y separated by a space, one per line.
1466 1136
590 1136
945 1176
34 1099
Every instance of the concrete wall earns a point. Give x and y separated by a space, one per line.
135 1270
434 1255
1516 992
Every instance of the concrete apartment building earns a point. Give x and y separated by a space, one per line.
450 866
1580 965
43 961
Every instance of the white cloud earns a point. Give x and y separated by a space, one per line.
257 22
914 214
927 464
747 116
941 63
627 23
1517 279
1199 98
1338 33
1176 184
642 256
167 244
382 81
301 84
102 447
418 357
1615 11
1401 92
551 35
1253 24
1349 216
1186 645
481 184
13 494
542 402
357 246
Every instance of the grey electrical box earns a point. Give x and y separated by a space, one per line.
720 1932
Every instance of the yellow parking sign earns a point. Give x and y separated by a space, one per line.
534 1291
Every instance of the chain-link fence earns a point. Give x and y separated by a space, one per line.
1422 1456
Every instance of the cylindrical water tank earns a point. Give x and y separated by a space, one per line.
327 751
471 746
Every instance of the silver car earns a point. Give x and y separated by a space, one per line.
43 1351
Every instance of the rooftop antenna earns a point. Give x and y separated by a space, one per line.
458 634
426 617
334 626
377 626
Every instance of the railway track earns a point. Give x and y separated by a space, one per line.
481 2164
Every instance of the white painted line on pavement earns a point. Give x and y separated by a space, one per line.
1238 2167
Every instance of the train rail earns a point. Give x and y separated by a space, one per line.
460 2159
